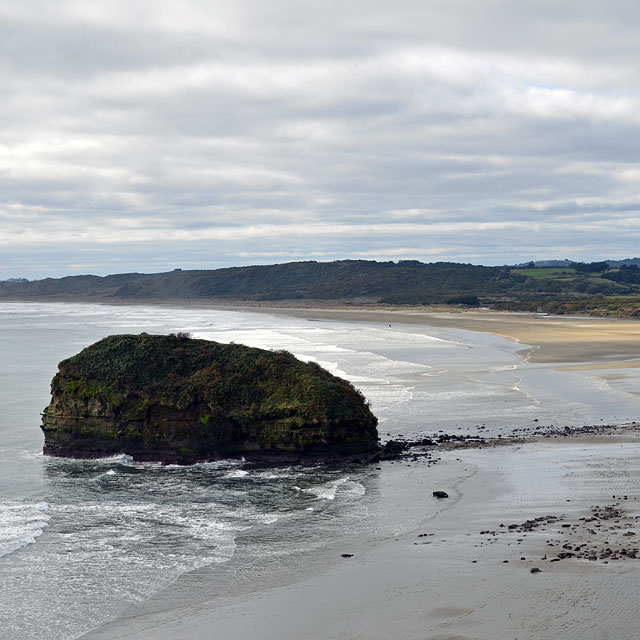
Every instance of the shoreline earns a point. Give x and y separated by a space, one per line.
462 573
569 340
549 339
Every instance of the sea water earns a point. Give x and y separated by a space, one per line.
80 541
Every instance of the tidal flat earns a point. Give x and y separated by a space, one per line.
488 564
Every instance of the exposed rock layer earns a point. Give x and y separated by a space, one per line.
179 400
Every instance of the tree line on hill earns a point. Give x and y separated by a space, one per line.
407 282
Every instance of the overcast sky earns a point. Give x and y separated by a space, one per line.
145 136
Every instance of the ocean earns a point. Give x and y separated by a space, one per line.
81 542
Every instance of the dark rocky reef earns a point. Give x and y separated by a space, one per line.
179 400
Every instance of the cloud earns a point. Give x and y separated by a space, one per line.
144 134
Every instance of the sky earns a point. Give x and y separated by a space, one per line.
147 136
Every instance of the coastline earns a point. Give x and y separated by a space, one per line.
459 574
553 339
575 340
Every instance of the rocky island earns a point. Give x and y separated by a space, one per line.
180 400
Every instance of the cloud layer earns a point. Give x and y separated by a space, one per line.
147 136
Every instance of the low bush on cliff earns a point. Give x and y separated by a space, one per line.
129 372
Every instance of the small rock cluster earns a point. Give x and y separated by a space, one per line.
607 534
404 448
401 448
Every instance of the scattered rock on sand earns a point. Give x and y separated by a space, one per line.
606 533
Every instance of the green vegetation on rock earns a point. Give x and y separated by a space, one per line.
176 399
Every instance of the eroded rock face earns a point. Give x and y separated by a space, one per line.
179 400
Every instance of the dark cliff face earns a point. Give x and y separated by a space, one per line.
180 400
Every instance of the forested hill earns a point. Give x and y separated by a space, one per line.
294 280
558 289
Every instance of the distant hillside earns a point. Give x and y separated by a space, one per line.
627 261
565 263
296 280
574 288
543 263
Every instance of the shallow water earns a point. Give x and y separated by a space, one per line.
81 540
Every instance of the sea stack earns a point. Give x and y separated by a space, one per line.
175 399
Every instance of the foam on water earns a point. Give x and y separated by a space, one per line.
329 490
238 473
21 524
106 474
118 530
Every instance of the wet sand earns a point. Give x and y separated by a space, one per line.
554 338
465 573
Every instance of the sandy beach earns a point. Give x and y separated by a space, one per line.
554 338
468 572
558 339
535 540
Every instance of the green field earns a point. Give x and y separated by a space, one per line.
547 273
